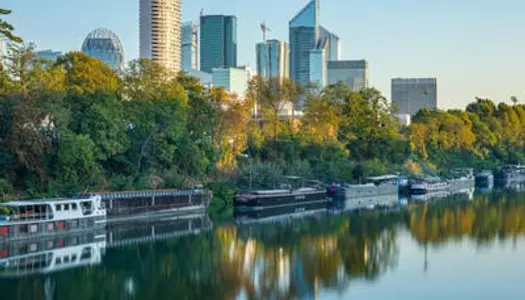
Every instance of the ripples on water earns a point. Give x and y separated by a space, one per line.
455 248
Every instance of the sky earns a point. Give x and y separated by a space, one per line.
475 48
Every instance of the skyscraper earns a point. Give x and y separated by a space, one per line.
218 42
333 50
273 59
160 38
189 47
105 45
304 34
353 73
413 94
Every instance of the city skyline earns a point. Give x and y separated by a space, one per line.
465 53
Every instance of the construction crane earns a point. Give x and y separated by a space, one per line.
264 29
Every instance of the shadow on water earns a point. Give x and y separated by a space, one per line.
284 255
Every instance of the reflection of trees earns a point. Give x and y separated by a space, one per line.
484 219
277 261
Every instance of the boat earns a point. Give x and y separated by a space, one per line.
485 179
419 186
47 217
375 186
269 199
463 179
512 174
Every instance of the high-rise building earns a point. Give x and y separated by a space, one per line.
105 45
353 73
333 48
273 59
160 38
304 35
413 94
218 42
48 54
234 80
189 47
318 67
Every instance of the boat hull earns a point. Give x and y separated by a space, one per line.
261 202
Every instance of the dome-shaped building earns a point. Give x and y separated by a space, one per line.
105 45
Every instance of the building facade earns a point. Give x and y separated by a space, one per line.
353 73
318 66
48 54
189 47
105 45
234 80
413 94
333 49
160 32
218 42
304 34
273 59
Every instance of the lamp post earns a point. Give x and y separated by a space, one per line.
250 163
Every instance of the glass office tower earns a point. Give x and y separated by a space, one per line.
218 42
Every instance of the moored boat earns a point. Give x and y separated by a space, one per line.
485 179
268 199
375 186
428 185
47 217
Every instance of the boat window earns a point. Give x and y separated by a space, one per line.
58 207
73 206
66 206
66 259
58 260
74 258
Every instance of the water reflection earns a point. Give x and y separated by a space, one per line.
298 259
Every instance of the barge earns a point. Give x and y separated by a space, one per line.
376 186
271 199
49 217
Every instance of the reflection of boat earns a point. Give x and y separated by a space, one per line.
280 213
33 218
442 194
51 255
269 199
370 203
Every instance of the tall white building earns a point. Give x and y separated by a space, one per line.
353 73
189 47
160 32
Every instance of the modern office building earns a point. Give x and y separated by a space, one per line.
105 45
160 32
218 42
333 48
318 66
413 94
353 73
304 35
273 59
189 47
48 54
204 78
234 80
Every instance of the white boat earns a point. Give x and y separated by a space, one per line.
47 217
428 185
376 186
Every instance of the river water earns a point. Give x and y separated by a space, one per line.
454 248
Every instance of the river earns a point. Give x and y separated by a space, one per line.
455 248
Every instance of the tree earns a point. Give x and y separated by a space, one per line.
7 29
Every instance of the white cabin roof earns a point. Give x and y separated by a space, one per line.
43 202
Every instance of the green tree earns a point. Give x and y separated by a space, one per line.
7 29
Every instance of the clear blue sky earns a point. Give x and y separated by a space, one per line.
473 47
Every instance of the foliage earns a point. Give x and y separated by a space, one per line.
7 29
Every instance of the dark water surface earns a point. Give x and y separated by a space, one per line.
453 249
